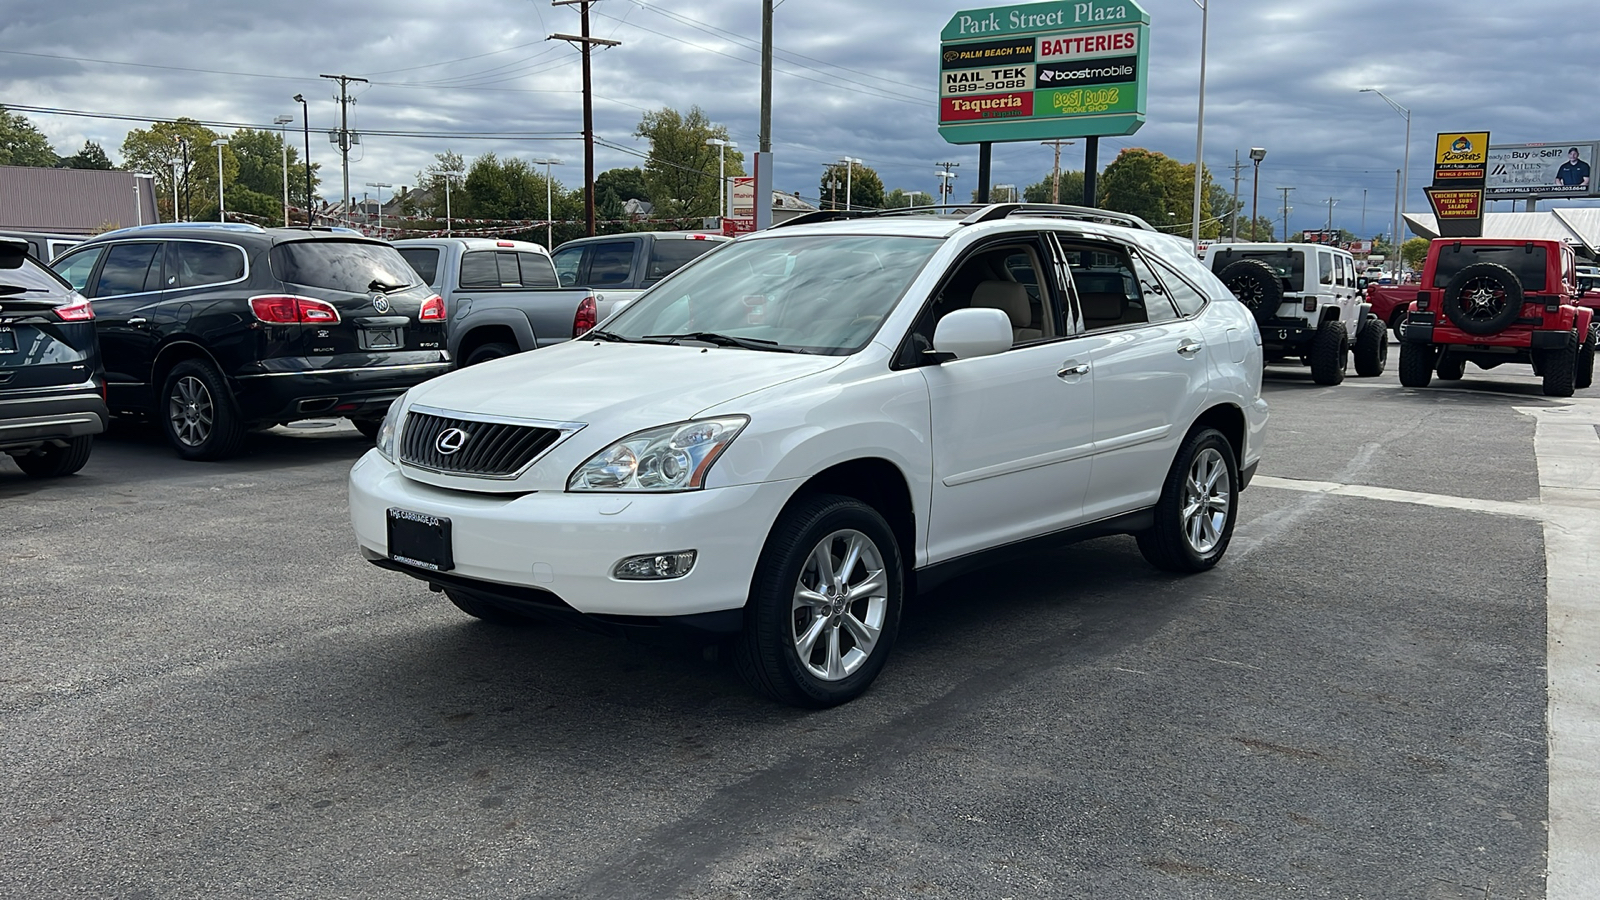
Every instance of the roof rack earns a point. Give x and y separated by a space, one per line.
974 214
218 226
335 229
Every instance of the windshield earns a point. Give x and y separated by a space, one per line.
1290 265
814 293
1526 262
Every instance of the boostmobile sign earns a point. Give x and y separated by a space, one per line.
1038 71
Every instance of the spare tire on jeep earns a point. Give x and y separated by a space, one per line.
1483 298
1256 285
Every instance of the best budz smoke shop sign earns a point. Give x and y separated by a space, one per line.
1037 71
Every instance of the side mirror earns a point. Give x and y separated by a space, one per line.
966 333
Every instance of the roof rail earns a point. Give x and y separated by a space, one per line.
163 226
997 211
334 229
825 215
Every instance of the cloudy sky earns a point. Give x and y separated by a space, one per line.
853 77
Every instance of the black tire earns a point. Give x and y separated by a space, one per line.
1560 371
487 352
1330 353
1257 286
198 413
1416 364
1483 298
1397 323
1372 348
766 653
51 461
479 608
1451 367
368 427
1585 374
1176 545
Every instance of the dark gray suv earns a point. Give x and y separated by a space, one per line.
52 387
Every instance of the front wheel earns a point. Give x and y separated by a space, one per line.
51 461
1416 364
1372 348
1199 503
824 605
483 354
199 416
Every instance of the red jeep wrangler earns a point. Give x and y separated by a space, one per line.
1491 301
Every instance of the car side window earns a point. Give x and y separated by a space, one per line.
1106 284
1157 302
425 260
1009 277
610 263
566 263
129 269
1188 300
77 267
1325 266
536 270
668 256
195 264
479 270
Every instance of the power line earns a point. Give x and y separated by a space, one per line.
468 135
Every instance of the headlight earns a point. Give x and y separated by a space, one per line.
669 458
389 431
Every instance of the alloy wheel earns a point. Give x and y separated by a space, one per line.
191 410
1207 498
840 601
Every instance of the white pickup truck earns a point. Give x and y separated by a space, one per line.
504 297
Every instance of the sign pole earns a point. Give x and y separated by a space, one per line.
985 151
1091 168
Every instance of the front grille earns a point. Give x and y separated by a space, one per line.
487 450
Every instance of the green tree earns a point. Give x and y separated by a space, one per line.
621 185
1160 190
92 156
182 149
681 171
900 199
21 144
855 184
1071 189
1414 251
257 187
430 197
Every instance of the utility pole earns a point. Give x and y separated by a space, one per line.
1326 231
344 138
585 44
763 182
1286 208
183 151
946 188
1363 213
1237 168
1055 176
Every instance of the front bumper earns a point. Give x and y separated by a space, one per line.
32 417
566 544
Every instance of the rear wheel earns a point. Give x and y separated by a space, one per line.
824 604
1372 348
487 352
1416 364
198 413
1585 373
1398 323
1330 353
1451 367
1198 505
51 461
1560 371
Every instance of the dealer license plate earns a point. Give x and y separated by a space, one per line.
420 540
380 338
8 341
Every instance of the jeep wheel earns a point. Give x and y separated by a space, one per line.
1560 371
1372 348
1483 298
1585 374
1257 286
824 604
1416 364
1451 367
1330 353
1198 505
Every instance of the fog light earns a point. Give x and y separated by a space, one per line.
655 567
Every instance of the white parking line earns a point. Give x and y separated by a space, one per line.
1567 446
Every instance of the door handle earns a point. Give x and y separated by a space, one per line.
1188 348
1070 371
137 320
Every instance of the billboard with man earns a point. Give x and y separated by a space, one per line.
1542 170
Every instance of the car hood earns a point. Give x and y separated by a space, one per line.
611 390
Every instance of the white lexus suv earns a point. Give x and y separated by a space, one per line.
778 443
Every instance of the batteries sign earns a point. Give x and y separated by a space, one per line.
1044 70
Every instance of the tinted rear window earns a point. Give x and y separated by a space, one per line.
33 278
127 270
610 263
1287 263
1527 263
537 271
198 264
425 260
668 256
350 266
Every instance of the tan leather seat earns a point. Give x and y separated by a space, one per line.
1010 298
1101 310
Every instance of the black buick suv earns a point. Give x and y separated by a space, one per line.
214 329
52 389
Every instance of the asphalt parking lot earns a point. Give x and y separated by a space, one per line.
206 693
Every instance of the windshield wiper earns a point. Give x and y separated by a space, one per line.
381 287
606 336
723 340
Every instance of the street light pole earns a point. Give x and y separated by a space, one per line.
724 196
448 177
1257 154
850 164
305 121
1200 122
283 142
380 185
1405 174
138 197
549 203
222 207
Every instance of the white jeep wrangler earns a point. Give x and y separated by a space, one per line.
1306 302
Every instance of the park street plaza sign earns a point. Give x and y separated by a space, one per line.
1039 71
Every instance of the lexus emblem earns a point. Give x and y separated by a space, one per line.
450 440
380 303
